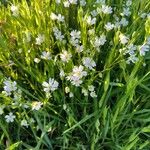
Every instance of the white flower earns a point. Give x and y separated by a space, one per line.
10 86
14 10
88 63
126 12
79 48
65 56
131 49
36 105
129 2
58 34
77 74
124 22
24 123
106 9
75 34
62 73
73 1
143 15
58 1
40 39
85 92
109 26
10 117
93 94
132 58
143 49
74 42
91 88
17 95
94 13
46 55
60 18
37 60
82 2
66 3
71 94
91 21
52 85
101 1
99 41
67 89
53 16
91 31
123 39
148 40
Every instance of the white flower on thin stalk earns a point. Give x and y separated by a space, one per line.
62 73
100 1
93 94
10 86
143 49
124 22
67 89
91 31
58 34
148 40
10 117
76 76
84 92
15 11
37 60
46 55
73 1
58 1
129 3
106 9
40 39
71 95
60 18
65 56
132 58
90 21
24 123
36 105
131 49
75 34
91 88
79 48
123 39
88 63
53 16
109 26
74 42
99 41
51 85
94 13
126 12
66 3
82 2
79 72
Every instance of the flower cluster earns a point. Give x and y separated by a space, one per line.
76 75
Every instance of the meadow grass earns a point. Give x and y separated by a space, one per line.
75 75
